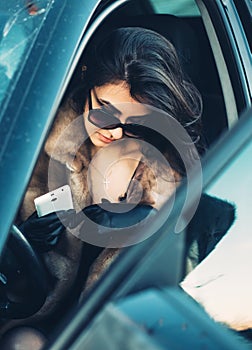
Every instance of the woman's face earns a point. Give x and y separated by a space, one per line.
115 98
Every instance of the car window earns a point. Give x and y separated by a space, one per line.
19 25
222 281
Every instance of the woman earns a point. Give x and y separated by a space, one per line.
123 77
135 68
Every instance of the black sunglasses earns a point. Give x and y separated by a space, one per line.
104 120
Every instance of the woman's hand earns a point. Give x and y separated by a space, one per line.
116 225
116 215
44 232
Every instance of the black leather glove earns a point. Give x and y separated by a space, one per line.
117 215
43 232
115 225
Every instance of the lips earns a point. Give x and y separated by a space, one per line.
104 138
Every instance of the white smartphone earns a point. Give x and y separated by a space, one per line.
59 199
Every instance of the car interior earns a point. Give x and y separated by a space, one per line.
188 30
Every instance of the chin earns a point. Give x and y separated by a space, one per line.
97 143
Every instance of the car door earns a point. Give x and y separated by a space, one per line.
35 93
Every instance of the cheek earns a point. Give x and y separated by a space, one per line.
90 128
92 132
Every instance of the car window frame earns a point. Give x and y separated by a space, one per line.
231 50
240 46
244 8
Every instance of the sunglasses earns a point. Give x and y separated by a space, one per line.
105 120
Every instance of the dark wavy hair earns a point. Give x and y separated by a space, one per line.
149 64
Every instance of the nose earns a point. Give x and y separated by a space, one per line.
117 133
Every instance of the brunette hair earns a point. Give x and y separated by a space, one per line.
149 64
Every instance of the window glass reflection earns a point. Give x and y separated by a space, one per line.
222 283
